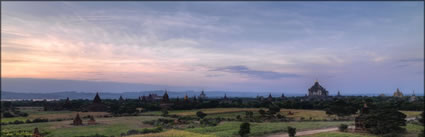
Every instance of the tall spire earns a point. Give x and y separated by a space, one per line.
165 97
97 98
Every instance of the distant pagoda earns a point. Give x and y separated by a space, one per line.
186 98
202 95
97 105
121 99
317 90
165 98
270 98
413 97
398 93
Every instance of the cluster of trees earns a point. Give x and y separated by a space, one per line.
8 110
129 106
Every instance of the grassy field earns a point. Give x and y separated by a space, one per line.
114 126
37 112
229 129
411 113
412 131
233 112
106 126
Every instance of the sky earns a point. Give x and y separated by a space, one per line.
354 47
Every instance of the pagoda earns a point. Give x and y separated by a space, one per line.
97 105
317 90
202 95
398 93
270 98
165 98
77 120
36 133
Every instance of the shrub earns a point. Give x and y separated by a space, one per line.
292 131
244 129
210 122
18 122
279 116
28 121
238 117
262 112
8 114
22 114
164 112
384 121
37 120
343 127
201 114
143 131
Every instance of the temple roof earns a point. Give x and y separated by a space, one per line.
316 87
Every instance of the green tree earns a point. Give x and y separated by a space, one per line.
164 112
201 114
384 121
244 129
273 109
262 112
292 131
341 108
343 127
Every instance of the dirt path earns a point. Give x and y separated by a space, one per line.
308 132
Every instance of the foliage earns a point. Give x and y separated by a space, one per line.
201 114
244 129
164 112
38 120
421 120
144 131
341 108
262 112
273 109
210 121
343 127
19 133
160 122
384 121
292 131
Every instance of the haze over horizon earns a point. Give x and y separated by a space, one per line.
354 47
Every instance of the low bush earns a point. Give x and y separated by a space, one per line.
292 131
343 127
38 120
143 131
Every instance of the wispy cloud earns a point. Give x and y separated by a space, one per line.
256 73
